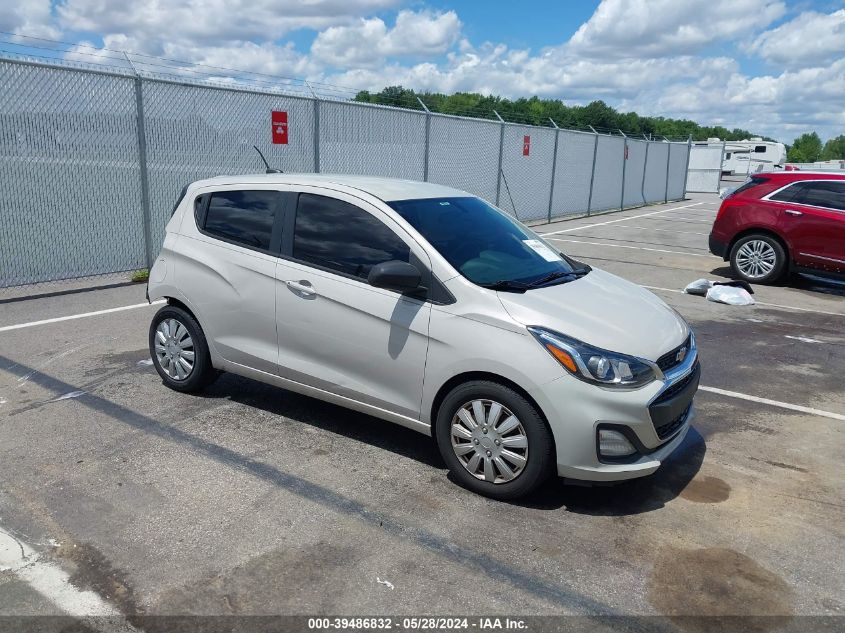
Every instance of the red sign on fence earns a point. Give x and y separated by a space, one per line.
526 145
279 122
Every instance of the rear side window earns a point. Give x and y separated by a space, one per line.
339 236
243 217
760 149
828 194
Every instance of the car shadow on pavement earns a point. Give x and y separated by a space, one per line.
644 494
326 416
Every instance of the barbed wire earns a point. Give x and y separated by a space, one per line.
128 62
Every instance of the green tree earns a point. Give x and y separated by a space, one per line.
537 111
834 149
807 148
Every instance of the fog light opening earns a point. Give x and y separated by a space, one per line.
614 444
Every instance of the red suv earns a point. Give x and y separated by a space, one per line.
783 221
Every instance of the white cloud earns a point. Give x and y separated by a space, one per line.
638 55
152 24
632 28
776 105
369 41
33 18
554 72
811 39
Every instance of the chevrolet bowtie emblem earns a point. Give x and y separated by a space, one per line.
681 355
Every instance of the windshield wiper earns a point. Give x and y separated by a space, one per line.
507 285
519 286
558 274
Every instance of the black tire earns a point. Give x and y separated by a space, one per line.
780 259
540 451
203 373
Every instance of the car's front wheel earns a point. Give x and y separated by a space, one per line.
179 350
494 441
758 259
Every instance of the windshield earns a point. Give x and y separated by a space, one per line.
486 246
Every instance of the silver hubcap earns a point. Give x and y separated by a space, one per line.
489 441
756 259
174 349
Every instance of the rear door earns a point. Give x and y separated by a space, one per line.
336 332
813 220
228 255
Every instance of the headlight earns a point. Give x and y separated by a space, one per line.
592 364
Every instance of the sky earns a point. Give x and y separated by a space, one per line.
774 67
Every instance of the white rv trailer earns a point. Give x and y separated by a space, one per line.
752 155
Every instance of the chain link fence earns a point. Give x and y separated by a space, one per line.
91 161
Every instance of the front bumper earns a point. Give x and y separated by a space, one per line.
655 418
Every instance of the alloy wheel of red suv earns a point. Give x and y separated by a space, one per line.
758 258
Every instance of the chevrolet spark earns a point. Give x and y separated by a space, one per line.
428 307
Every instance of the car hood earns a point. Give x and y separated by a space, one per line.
603 310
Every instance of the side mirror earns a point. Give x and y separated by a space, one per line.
395 275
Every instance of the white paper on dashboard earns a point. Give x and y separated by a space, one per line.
542 250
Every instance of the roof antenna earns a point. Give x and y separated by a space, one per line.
269 169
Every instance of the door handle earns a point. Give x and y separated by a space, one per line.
792 212
303 287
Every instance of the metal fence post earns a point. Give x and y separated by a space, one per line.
501 150
554 168
142 163
316 128
427 138
686 173
645 168
624 164
593 170
668 162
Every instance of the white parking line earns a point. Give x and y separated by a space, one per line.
774 403
638 248
648 228
7 328
669 218
630 217
52 582
759 303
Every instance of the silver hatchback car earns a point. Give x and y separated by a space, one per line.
428 307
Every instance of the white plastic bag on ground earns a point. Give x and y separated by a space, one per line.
698 287
731 295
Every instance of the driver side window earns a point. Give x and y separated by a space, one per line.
341 237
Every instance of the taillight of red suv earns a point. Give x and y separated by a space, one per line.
741 191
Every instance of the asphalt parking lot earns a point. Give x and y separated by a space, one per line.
248 499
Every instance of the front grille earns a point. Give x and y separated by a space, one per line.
677 387
669 360
671 426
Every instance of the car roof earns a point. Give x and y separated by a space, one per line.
801 175
386 189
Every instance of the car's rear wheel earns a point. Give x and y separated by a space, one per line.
179 350
758 259
494 441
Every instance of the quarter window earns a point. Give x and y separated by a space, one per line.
245 217
790 193
339 236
